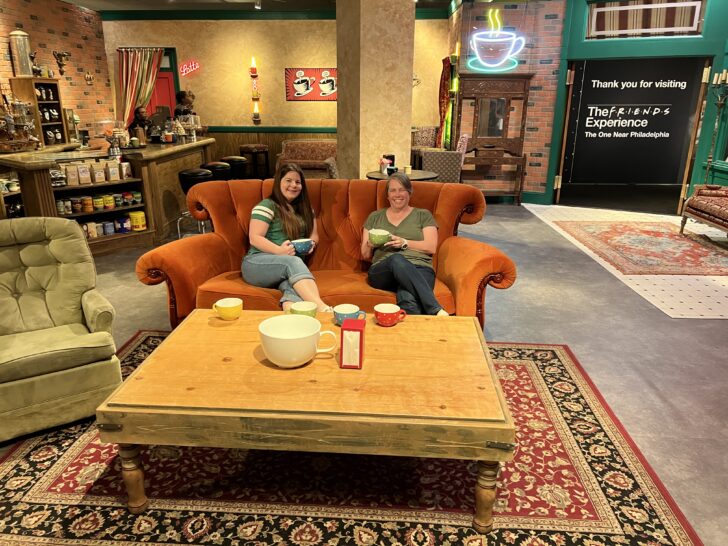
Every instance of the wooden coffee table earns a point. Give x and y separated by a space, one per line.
427 389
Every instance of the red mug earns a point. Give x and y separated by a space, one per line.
388 314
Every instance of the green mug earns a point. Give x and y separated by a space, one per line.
304 308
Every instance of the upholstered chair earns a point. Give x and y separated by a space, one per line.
709 205
57 355
447 164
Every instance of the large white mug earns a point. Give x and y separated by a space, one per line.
290 341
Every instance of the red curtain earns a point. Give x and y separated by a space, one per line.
138 67
444 98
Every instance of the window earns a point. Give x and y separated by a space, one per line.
646 19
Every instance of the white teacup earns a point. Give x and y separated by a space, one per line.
290 341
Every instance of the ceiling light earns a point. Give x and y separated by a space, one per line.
258 4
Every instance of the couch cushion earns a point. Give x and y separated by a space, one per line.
45 267
29 354
714 206
335 287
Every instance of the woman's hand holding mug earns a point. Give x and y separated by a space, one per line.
287 248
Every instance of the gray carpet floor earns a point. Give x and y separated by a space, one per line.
664 378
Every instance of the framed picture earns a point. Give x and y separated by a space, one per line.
71 125
319 84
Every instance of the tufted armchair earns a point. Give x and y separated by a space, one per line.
200 270
57 356
709 205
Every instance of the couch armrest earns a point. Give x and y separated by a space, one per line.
97 311
184 265
467 267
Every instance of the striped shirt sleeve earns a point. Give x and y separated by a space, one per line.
263 211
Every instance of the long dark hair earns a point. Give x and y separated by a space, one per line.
298 213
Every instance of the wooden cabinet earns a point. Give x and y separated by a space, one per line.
45 95
492 110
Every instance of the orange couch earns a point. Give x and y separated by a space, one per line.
201 269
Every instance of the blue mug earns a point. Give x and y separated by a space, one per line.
302 246
345 311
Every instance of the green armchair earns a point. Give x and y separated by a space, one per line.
57 355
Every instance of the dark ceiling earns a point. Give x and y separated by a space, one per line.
240 5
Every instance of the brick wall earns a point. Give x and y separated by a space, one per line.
541 23
55 25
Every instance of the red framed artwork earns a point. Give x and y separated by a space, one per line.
311 83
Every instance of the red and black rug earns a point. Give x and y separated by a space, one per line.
576 478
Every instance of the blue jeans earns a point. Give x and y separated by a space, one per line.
273 271
414 284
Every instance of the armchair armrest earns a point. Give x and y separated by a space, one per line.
97 311
467 267
184 265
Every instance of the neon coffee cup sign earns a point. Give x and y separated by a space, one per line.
495 49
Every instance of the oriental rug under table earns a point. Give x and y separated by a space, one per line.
576 478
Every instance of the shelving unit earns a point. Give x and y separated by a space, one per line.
10 199
107 243
33 90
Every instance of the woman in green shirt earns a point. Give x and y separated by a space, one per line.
404 264
271 261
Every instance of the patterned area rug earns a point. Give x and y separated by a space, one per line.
650 248
576 478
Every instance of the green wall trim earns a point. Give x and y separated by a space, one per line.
211 15
234 15
261 129
432 13
537 198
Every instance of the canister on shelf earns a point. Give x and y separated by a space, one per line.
87 203
67 206
128 198
60 207
118 200
137 196
76 204
122 225
138 220
109 202
92 231
108 228
98 201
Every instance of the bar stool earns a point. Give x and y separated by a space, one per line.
220 170
238 166
256 151
187 179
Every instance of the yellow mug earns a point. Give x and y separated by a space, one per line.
228 308
304 308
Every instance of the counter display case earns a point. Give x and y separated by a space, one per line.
45 96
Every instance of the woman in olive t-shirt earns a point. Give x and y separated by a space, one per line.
404 264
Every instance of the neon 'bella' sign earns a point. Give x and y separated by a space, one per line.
495 49
189 66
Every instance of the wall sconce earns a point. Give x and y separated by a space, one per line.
61 58
89 78
255 94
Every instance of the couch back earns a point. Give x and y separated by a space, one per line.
314 150
341 207
45 267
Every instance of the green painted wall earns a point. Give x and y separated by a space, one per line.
712 44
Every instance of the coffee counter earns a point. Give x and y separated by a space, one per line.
155 169
158 165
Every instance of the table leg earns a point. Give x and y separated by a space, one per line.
133 475
485 496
